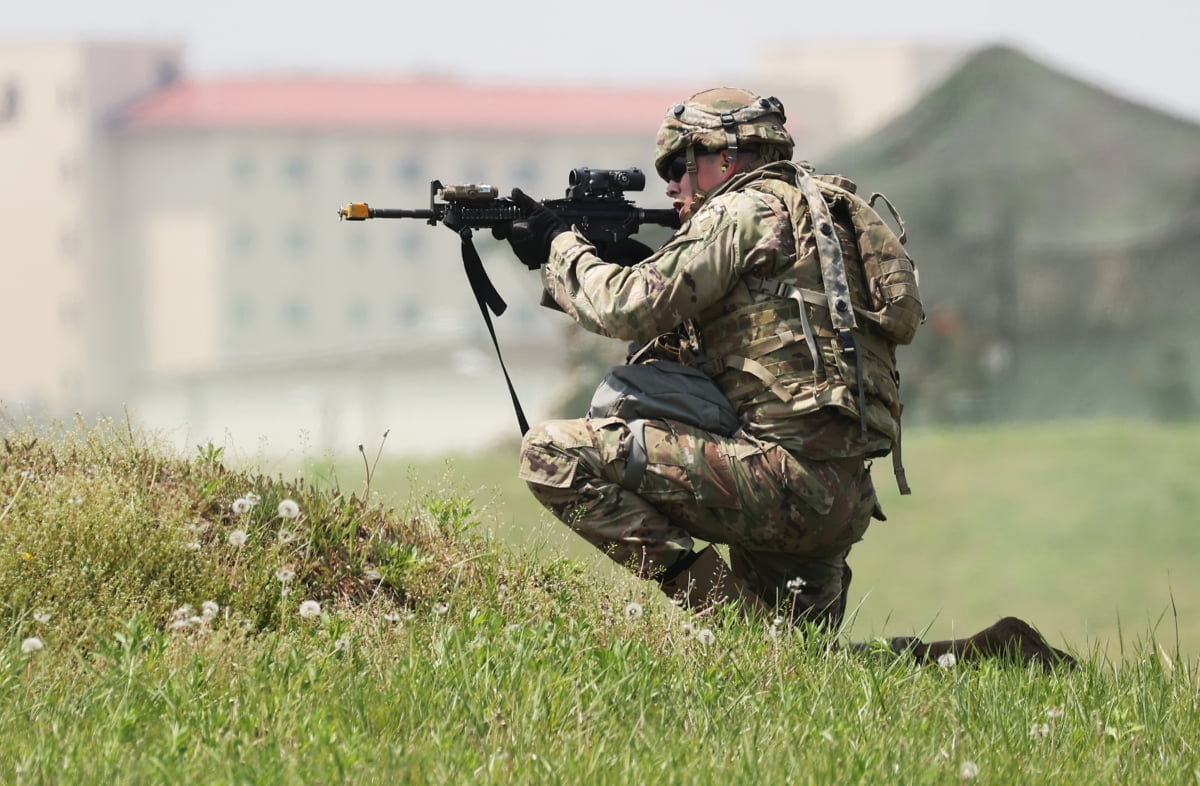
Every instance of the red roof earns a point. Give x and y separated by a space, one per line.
437 105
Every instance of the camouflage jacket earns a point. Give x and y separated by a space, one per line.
697 276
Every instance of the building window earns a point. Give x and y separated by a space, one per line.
241 239
408 313
525 173
411 244
358 171
244 167
410 170
358 313
241 312
295 168
10 101
296 240
295 313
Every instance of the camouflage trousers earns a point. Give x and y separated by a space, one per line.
789 522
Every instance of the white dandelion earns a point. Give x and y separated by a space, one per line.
310 609
1039 730
705 636
968 770
209 609
237 538
41 617
287 536
1054 713
688 628
285 575
252 498
947 660
441 607
31 645
241 506
633 610
288 509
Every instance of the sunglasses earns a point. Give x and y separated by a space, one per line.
676 166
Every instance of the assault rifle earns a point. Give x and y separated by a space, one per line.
595 204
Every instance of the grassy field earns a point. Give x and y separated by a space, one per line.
174 620
1090 530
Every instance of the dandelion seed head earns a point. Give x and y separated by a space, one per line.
252 498
31 645
342 644
1054 713
310 609
797 584
947 660
705 636
688 628
287 535
1039 730
237 538
288 509
441 607
41 617
285 575
968 770
241 506
633 610
209 609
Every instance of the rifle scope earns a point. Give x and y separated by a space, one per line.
584 182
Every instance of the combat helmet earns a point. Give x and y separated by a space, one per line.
719 119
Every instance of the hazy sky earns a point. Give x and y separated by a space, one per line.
1147 50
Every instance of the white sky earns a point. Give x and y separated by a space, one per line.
1148 50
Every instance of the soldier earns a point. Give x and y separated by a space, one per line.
737 293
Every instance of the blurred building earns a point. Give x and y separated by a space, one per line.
171 246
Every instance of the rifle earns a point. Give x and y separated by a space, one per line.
595 204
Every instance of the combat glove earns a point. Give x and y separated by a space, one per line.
530 237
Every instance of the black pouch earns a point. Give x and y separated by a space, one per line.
664 390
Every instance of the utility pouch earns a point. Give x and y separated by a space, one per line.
664 390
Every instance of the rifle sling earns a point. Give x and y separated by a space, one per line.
487 297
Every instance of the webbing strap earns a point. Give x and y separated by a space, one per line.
829 249
759 370
784 289
487 297
636 463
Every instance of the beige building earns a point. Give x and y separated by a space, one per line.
172 248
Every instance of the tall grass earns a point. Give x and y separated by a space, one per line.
441 656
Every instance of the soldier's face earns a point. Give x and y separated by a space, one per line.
712 169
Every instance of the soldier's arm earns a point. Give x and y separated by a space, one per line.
697 268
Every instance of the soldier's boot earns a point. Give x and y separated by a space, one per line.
1010 638
701 580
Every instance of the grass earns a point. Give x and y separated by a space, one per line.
443 654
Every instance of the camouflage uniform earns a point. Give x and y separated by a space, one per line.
789 492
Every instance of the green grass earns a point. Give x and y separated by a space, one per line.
1090 530
444 653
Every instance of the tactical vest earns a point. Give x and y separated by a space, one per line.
823 331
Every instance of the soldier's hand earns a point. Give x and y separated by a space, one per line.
530 237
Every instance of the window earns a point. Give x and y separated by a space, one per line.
410 170
295 168
244 167
10 100
295 313
358 171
